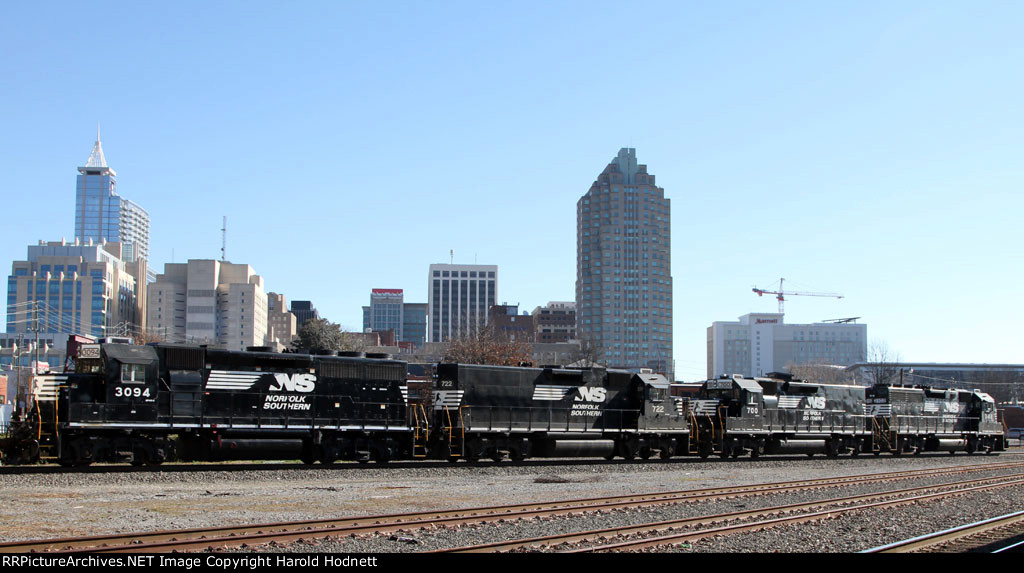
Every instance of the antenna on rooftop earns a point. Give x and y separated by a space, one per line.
224 240
451 254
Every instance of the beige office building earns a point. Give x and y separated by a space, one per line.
76 288
281 323
211 302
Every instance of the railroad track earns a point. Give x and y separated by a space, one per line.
296 466
664 533
232 536
989 534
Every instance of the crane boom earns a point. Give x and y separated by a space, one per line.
781 294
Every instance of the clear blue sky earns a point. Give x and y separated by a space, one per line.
867 148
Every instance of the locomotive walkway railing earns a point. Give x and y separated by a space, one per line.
565 420
923 424
830 421
184 409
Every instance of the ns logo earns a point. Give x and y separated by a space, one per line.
293 383
591 394
816 402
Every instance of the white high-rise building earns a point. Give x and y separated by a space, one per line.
459 298
760 343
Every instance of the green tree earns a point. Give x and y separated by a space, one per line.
318 335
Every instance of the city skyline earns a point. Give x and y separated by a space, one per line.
867 150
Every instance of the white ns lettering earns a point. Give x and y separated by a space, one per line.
591 394
294 383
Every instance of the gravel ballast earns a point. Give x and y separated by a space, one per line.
69 504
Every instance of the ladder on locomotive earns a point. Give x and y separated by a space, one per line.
694 439
45 392
421 432
456 434
882 434
694 434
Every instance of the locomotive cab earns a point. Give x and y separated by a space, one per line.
657 409
130 374
728 418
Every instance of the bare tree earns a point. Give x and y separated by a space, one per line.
352 342
589 353
147 336
821 373
883 364
486 346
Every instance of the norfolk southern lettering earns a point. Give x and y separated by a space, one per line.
290 383
588 402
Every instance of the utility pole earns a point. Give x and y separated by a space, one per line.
35 312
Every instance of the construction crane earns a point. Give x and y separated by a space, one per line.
780 294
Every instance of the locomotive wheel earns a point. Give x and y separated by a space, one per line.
139 456
645 453
665 453
832 448
610 457
704 449
517 453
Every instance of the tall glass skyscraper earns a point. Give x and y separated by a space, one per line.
102 215
624 267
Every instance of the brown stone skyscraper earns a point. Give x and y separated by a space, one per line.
624 267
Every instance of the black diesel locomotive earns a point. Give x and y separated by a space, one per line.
126 402
778 414
147 404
